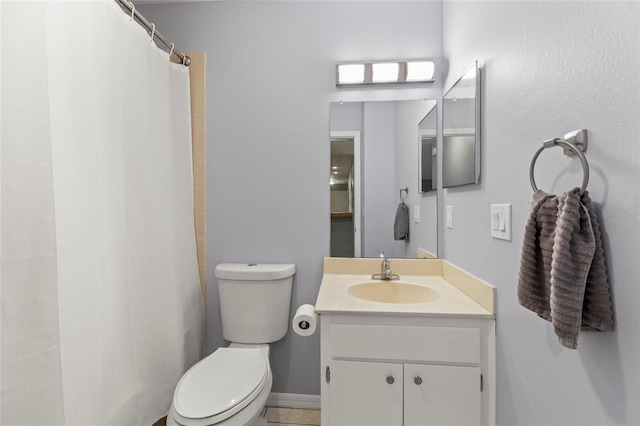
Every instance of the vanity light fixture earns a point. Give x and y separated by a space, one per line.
385 73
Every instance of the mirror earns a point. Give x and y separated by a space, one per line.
461 132
373 156
428 149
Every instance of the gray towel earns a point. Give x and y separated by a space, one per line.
562 271
401 224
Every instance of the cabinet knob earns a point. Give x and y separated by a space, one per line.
417 380
390 380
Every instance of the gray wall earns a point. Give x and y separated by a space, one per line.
347 116
270 79
378 164
549 68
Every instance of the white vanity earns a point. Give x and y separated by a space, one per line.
417 351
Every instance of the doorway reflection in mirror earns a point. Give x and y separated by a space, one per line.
428 146
345 194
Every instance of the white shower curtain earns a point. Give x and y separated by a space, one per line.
101 304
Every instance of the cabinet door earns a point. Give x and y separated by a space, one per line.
365 393
441 395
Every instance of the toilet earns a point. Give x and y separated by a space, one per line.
231 386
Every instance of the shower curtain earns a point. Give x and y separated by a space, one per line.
101 307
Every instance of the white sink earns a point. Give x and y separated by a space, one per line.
393 292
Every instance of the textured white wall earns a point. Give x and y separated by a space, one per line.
270 79
549 68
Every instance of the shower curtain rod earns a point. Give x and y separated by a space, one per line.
130 7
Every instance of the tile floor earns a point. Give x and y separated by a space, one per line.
276 416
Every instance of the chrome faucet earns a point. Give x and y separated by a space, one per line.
385 270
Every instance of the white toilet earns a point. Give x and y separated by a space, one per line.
231 386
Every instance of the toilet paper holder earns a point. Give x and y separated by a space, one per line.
305 320
303 325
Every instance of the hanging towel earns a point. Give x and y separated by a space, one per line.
562 271
534 280
597 310
401 224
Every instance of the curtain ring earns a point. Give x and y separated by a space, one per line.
153 30
133 9
171 52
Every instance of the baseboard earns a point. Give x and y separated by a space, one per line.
293 400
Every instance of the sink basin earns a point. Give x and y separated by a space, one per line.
393 292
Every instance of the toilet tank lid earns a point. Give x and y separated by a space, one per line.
254 271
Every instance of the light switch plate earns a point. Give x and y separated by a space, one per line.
416 214
450 217
501 221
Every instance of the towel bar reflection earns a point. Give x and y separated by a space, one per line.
575 147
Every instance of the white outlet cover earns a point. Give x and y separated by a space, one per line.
416 214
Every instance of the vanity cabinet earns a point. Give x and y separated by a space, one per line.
371 393
407 370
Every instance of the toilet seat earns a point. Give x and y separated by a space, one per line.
221 384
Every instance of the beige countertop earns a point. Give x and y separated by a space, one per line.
469 299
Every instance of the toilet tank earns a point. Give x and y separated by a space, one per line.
254 301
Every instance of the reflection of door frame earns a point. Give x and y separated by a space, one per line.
357 189
424 133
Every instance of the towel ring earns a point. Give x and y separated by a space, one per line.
405 189
559 142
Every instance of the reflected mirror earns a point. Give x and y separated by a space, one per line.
460 131
428 149
373 156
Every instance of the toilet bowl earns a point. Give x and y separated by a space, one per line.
229 387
